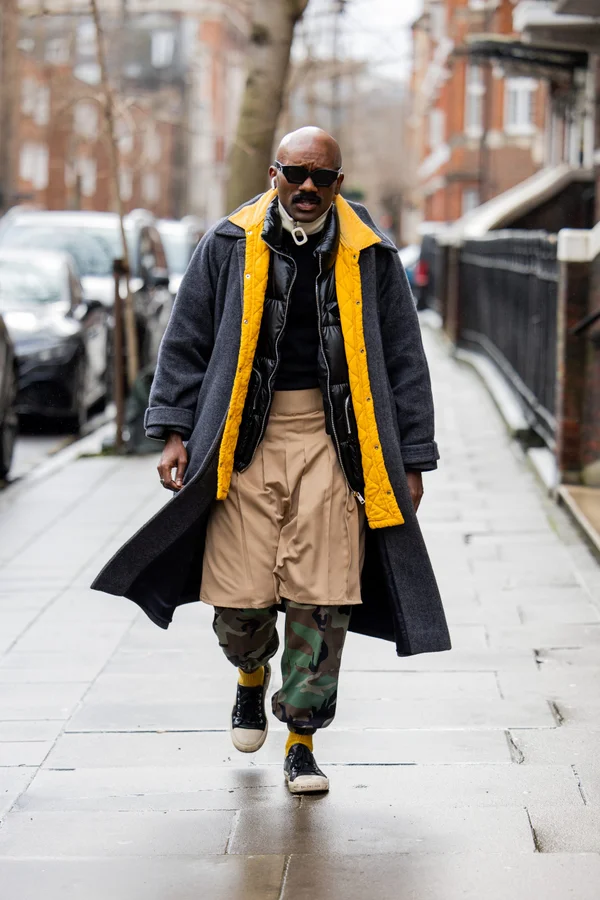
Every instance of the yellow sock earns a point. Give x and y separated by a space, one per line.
251 679
293 738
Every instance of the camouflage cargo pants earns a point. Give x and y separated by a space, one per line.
314 640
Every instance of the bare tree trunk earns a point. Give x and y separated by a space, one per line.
271 37
9 99
113 149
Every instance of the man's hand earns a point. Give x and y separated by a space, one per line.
174 456
415 486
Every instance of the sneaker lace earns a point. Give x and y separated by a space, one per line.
248 706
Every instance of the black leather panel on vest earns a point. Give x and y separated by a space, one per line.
332 368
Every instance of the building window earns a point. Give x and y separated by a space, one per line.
33 164
41 113
475 92
470 200
28 96
86 39
437 19
126 184
437 128
162 49
57 51
152 145
518 109
87 172
150 188
124 137
86 120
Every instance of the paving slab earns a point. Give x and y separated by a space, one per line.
210 748
160 788
561 830
13 782
463 876
402 786
325 829
151 687
41 701
112 834
176 878
24 753
210 715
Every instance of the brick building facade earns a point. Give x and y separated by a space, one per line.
475 130
178 79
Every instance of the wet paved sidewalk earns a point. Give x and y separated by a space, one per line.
473 774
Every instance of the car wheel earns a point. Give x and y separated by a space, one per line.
9 428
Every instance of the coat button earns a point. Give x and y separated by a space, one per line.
247 276
245 321
376 446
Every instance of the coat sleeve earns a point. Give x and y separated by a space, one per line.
185 349
406 364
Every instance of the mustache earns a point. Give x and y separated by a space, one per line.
306 196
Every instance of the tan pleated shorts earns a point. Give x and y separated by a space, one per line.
290 527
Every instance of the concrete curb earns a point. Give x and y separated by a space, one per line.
507 404
90 445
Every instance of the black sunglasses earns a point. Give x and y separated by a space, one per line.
299 174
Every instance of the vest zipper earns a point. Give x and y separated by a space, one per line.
356 494
276 367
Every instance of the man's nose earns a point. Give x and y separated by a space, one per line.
308 186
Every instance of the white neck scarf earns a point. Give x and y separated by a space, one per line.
300 232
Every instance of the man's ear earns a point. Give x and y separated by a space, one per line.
339 183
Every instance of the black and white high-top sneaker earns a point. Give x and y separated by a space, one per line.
249 724
302 773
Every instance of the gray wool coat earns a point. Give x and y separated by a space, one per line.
160 567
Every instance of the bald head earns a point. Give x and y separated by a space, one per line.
308 149
310 144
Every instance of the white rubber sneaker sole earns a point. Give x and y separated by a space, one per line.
249 740
308 784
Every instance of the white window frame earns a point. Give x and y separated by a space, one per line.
151 187
162 49
471 199
34 164
474 100
437 18
437 128
41 113
519 95
86 119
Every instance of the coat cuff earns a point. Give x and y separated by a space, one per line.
420 457
159 420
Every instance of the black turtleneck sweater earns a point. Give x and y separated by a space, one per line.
299 346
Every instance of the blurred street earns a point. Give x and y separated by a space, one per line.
474 774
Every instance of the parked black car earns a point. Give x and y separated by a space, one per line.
60 337
8 396
180 238
93 239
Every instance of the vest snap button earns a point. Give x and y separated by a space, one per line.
247 276
245 321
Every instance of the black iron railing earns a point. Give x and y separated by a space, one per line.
508 310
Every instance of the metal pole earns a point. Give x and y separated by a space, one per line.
119 270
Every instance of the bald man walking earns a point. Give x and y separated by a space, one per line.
293 397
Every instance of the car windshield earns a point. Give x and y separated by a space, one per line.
92 248
24 284
178 250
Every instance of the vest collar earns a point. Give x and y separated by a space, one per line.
354 233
